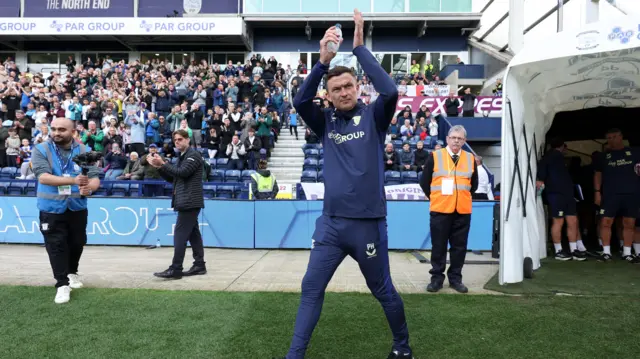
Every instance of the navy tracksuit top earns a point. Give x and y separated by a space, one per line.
352 142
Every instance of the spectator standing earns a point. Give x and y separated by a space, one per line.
451 105
468 103
293 122
252 147
212 142
236 153
151 173
12 143
187 200
93 137
137 126
264 129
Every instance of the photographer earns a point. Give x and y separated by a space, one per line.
63 212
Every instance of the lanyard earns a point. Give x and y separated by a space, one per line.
63 165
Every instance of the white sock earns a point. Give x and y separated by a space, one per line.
636 246
573 246
600 241
558 247
606 249
581 246
626 251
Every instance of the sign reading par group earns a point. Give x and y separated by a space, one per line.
121 26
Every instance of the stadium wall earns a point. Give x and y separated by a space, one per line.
231 224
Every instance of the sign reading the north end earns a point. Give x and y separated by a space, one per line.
78 8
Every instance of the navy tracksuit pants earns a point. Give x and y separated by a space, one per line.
365 240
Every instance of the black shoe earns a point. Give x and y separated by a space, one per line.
563 256
595 253
459 287
169 274
397 355
434 287
604 257
579 255
632 259
195 270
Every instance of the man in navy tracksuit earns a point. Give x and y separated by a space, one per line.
353 221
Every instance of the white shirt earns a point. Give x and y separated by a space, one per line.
483 181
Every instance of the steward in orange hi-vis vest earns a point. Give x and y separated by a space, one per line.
451 183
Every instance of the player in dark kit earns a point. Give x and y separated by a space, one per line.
353 221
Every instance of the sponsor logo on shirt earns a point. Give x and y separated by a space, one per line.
340 138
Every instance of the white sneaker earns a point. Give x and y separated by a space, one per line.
74 281
63 295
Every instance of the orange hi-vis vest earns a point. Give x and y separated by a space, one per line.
451 183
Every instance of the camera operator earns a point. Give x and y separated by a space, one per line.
63 212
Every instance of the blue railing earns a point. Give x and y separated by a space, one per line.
464 71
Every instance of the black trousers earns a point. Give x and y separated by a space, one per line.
65 236
452 229
187 230
480 196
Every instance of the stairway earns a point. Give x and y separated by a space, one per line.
287 158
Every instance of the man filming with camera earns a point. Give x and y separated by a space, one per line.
62 191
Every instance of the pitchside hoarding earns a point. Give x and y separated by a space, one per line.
78 8
10 8
483 104
162 8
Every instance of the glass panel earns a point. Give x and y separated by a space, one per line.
315 57
284 6
84 57
385 61
252 6
347 60
425 5
435 61
400 64
326 6
388 5
449 60
181 58
456 5
199 56
349 5
144 57
7 56
235 58
43 58
219 59
116 57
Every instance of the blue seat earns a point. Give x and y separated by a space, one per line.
221 163
413 144
246 175
203 152
310 164
419 176
397 144
134 190
119 189
224 192
312 153
213 163
321 164
217 175
4 184
31 189
392 177
321 176
237 192
8 172
103 191
232 176
209 191
409 177
309 176
16 188
321 153
174 160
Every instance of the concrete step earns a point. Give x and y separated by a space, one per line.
291 144
293 152
288 176
284 155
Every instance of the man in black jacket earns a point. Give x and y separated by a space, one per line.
187 200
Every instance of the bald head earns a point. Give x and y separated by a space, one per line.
62 131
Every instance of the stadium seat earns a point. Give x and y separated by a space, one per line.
16 188
419 176
119 189
321 176
224 192
397 144
321 164
174 160
168 190
8 172
103 190
217 175
203 152
310 164
209 191
101 175
392 177
31 189
309 176
232 176
321 153
413 144
246 175
311 153
4 184
409 177
134 190
212 162
221 163
237 192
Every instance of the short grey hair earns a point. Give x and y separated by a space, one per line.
458 128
